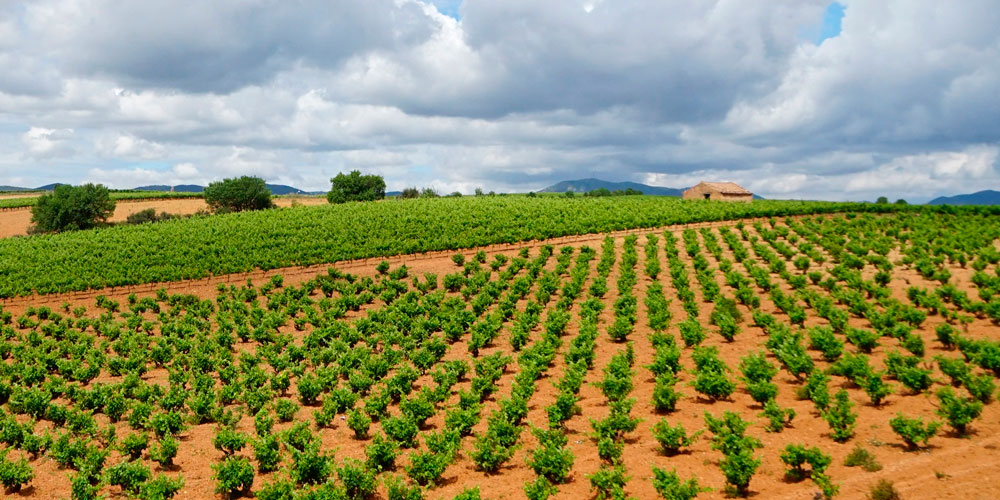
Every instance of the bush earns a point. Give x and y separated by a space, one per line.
148 215
670 486
267 453
665 397
672 439
359 422
381 453
14 475
166 451
238 195
234 475
840 418
489 453
884 490
609 481
427 467
128 475
356 187
959 412
69 208
160 488
777 417
551 460
358 479
860 457
229 441
912 430
539 489
796 456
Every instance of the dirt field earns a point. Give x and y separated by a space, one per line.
952 467
17 222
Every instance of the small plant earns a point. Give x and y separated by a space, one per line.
609 482
672 439
233 476
267 453
165 452
671 487
359 422
552 460
539 489
489 453
229 441
134 444
884 490
381 453
959 412
160 488
128 475
285 410
14 475
665 397
860 457
913 430
840 418
358 479
778 418
796 456
427 467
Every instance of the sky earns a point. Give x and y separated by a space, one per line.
790 98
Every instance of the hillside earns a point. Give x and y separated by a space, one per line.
584 185
986 197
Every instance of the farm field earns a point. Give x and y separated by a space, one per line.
16 222
429 376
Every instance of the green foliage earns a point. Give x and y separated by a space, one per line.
401 429
672 439
551 459
311 465
359 422
665 397
381 453
14 475
796 456
711 380
229 441
356 187
238 195
539 489
165 451
959 412
357 478
233 476
609 482
670 487
160 488
427 467
778 418
884 490
128 475
267 453
739 463
489 453
860 457
69 208
285 409
913 430
840 417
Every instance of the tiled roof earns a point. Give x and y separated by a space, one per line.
727 187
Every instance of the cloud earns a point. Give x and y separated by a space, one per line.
511 95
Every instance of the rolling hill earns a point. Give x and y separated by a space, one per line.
584 185
986 197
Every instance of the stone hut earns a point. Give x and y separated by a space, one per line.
724 191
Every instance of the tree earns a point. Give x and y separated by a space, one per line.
356 187
882 200
410 192
70 208
238 194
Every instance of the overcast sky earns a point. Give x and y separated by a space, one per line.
790 98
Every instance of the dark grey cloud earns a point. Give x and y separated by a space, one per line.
510 95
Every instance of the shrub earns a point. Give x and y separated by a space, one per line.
233 476
427 467
665 397
356 187
796 456
238 194
609 481
134 444
672 439
267 453
229 441
840 418
551 460
959 412
671 487
166 451
310 466
739 468
128 475
489 453
777 417
912 430
14 475
884 490
539 489
70 208
285 410
359 422
309 389
860 457
358 480
816 390
160 488
381 453
692 332
401 429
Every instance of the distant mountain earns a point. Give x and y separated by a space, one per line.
987 197
584 185
47 187
275 189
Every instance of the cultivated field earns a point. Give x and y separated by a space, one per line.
441 374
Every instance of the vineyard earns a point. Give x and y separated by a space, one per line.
219 245
778 358
28 201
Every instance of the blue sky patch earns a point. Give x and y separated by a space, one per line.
832 17
448 7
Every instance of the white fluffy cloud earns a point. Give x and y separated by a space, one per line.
510 95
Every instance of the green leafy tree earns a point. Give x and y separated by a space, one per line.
238 195
356 187
69 208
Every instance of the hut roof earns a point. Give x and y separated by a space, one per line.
727 187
